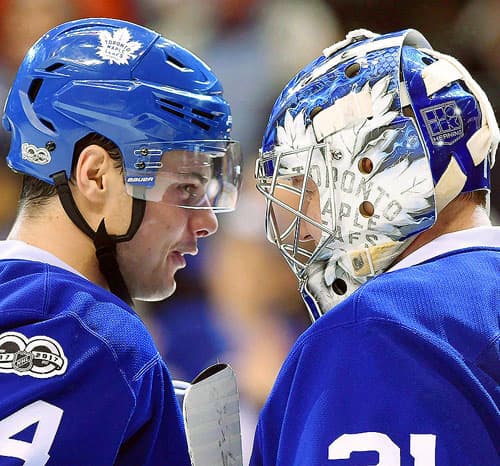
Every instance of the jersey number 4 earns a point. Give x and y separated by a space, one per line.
36 452
422 448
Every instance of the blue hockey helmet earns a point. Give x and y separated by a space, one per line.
145 93
363 148
156 101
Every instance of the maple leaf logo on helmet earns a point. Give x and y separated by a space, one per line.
117 47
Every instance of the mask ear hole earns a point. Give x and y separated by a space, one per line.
314 112
427 60
339 286
352 70
408 112
365 166
366 209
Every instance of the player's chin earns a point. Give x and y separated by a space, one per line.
155 290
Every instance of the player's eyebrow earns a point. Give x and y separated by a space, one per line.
198 176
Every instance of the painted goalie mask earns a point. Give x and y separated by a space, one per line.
363 148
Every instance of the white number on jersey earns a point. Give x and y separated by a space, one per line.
422 448
35 453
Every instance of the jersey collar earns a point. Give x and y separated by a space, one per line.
15 249
486 236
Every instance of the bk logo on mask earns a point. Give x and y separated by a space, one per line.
444 123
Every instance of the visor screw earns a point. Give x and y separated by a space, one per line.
140 165
337 155
50 146
144 151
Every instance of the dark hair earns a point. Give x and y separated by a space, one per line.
36 193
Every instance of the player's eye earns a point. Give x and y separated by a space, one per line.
187 190
189 193
309 188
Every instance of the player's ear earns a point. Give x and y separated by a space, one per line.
92 172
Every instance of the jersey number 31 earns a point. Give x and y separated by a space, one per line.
422 448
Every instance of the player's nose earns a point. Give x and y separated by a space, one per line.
203 222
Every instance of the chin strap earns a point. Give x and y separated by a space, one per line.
105 251
105 244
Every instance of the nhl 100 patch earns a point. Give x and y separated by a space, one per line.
38 356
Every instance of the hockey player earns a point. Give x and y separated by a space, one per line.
123 138
375 166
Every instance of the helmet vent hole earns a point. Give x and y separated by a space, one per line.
168 107
427 60
172 111
36 84
365 165
200 124
203 114
366 209
172 103
173 61
54 66
48 124
339 286
352 70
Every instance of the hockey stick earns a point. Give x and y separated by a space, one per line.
212 418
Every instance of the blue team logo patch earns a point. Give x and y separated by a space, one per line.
39 356
444 123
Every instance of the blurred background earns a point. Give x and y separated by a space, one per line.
237 301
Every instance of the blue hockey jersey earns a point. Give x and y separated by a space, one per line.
405 371
81 382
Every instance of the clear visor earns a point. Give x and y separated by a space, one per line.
190 174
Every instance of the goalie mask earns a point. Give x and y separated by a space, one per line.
364 147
